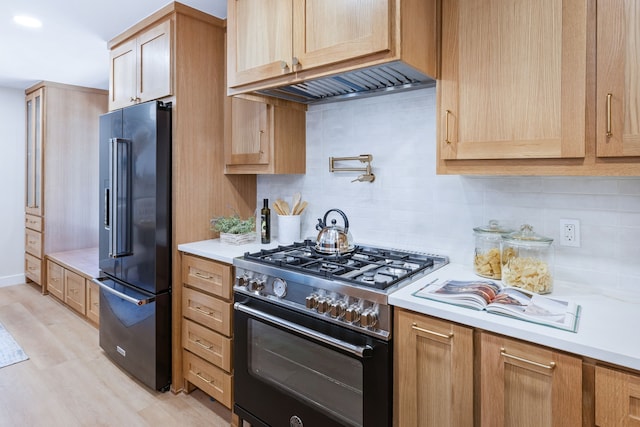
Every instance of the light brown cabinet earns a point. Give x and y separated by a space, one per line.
618 74
206 326
539 89
513 80
277 42
617 397
69 279
433 362
61 207
265 136
141 67
452 375
523 384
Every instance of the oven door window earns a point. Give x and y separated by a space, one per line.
321 376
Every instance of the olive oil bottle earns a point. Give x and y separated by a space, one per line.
265 222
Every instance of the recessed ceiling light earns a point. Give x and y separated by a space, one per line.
27 21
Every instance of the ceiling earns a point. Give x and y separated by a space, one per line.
71 45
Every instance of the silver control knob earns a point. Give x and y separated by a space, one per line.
323 305
242 280
369 319
352 314
337 309
311 301
255 285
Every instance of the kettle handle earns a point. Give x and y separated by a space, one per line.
323 223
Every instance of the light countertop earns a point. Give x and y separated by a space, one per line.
224 252
607 328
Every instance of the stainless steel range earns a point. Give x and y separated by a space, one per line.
313 333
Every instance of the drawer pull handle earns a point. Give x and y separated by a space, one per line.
198 308
203 276
446 127
609 133
427 331
550 366
206 347
203 378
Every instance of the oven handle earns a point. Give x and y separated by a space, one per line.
361 351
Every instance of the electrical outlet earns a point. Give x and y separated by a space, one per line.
570 232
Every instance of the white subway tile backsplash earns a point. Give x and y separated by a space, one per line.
409 206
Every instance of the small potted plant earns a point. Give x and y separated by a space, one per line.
235 230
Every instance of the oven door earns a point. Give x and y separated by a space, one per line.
291 369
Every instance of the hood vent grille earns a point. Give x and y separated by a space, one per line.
368 81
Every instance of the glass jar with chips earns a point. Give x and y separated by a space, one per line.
527 260
486 261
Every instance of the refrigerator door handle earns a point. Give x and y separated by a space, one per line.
98 281
119 198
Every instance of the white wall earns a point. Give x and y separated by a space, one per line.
409 206
12 176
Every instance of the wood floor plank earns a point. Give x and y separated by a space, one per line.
69 381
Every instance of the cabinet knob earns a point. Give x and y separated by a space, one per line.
284 65
295 61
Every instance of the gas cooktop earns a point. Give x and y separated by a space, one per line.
364 266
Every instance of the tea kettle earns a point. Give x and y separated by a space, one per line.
333 240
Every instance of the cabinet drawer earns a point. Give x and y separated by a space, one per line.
93 302
33 268
33 243
55 280
210 276
207 310
75 291
213 381
207 344
33 222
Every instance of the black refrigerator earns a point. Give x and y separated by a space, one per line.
135 241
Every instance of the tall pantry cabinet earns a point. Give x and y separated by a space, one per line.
190 47
62 154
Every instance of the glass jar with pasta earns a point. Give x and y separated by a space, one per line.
527 260
486 261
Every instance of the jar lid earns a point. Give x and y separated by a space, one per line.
493 227
527 235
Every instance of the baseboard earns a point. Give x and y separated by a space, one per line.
16 279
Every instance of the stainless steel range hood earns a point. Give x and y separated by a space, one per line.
370 81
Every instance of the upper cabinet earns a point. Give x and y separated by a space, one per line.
513 83
264 136
539 88
140 67
618 74
276 42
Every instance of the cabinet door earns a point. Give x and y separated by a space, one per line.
329 31
434 372
75 291
122 81
153 66
527 385
251 133
93 302
259 40
55 280
35 136
513 79
618 77
617 398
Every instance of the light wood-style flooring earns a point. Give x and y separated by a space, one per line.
68 380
